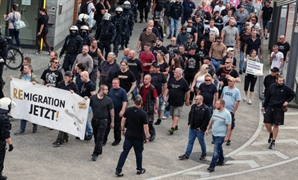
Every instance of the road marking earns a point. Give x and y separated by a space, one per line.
279 141
252 170
178 172
198 173
291 113
287 127
251 163
277 153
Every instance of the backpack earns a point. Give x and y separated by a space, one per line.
84 9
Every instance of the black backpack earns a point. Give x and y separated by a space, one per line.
84 9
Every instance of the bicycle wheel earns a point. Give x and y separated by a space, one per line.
14 58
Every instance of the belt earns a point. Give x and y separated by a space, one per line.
216 59
98 119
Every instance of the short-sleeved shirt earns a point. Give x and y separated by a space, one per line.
230 35
157 80
101 107
135 120
276 61
146 58
177 90
26 78
87 88
162 49
214 31
222 72
126 79
118 96
163 66
231 96
136 67
284 48
208 91
221 120
171 49
191 30
188 7
267 12
218 50
52 77
89 9
144 38
43 20
98 8
252 45
193 63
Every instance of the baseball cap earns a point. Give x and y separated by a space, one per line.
230 49
155 64
68 73
231 79
275 69
207 29
190 37
192 47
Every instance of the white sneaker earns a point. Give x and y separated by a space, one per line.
249 102
164 117
244 99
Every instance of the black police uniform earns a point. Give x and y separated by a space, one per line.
72 46
127 14
86 37
144 5
105 33
3 54
134 9
120 22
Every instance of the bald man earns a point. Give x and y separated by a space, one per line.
125 53
150 103
154 30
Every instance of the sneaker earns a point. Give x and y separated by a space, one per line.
157 122
212 142
244 98
115 143
271 146
57 143
270 138
36 53
182 157
228 143
94 157
141 21
176 128
249 102
119 174
169 37
164 34
266 37
240 72
210 169
88 137
220 163
141 171
121 48
34 129
164 117
171 130
19 132
152 137
203 157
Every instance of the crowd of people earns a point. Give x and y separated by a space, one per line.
198 68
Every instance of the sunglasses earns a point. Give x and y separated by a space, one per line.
227 62
207 79
55 62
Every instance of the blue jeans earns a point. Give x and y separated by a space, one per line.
193 134
239 27
165 112
14 34
23 125
138 147
218 152
135 91
282 68
241 63
89 130
174 25
216 64
160 102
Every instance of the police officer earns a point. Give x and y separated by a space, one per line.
5 126
85 35
82 20
106 33
158 26
127 14
120 22
134 9
3 57
72 46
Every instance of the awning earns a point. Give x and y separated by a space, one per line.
284 2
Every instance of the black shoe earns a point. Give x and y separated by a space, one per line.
210 169
228 143
57 143
271 146
203 157
152 137
182 157
141 171
176 128
104 143
240 72
220 163
157 122
88 138
266 37
171 130
77 138
94 157
270 138
121 48
141 21
119 174
2 177
146 20
169 37
115 143
34 129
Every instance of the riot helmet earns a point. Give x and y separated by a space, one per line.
84 30
5 105
119 10
106 17
83 17
126 5
72 29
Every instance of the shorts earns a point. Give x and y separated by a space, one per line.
233 121
160 103
274 115
175 111
265 24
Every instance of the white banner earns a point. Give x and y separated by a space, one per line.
254 68
48 106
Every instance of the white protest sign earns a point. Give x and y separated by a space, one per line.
254 68
48 106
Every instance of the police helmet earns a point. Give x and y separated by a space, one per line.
126 5
74 28
84 27
5 104
106 17
119 9
83 16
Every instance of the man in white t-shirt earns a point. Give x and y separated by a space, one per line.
276 58
91 10
213 30
254 25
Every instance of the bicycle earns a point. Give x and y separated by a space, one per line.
14 56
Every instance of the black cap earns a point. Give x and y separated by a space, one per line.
68 73
176 51
190 36
155 64
207 57
183 28
192 47
275 69
207 29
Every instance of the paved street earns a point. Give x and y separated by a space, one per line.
248 157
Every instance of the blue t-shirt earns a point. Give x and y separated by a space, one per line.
208 91
118 96
188 7
221 120
231 96
26 78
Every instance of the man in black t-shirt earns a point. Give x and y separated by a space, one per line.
160 48
52 76
136 68
179 92
171 47
266 13
158 80
127 78
136 123
243 39
284 47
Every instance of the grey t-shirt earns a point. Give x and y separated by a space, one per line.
231 96
230 35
